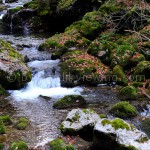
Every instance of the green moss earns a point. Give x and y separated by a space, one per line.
137 58
143 69
2 90
129 92
83 68
88 111
122 55
22 123
60 43
18 146
6 120
21 126
1 146
2 129
58 144
63 4
90 26
124 110
69 101
137 84
22 119
14 10
71 147
109 7
119 77
103 116
116 124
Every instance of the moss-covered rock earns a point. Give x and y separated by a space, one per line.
13 71
78 67
6 120
60 43
90 26
123 110
137 84
137 58
121 55
2 129
22 123
119 134
59 144
116 124
20 145
2 146
69 101
118 76
129 92
79 121
143 69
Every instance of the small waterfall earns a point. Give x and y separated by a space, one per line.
3 1
26 30
11 23
45 82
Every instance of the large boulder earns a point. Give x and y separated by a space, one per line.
119 135
78 121
13 71
60 43
78 67
18 19
143 69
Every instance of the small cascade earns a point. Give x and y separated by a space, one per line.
11 23
45 80
3 1
26 30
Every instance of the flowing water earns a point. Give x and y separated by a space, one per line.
35 100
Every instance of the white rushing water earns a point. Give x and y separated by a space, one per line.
45 82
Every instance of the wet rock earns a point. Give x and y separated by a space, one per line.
119 135
13 72
78 68
69 101
124 110
79 121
